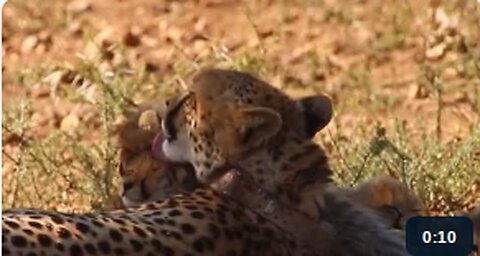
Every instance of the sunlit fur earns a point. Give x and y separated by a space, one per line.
389 198
233 120
199 223
143 177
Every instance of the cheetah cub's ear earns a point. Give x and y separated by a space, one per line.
257 125
318 112
149 121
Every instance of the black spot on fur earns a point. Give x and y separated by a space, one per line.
119 221
167 251
11 224
203 244
228 234
35 225
19 241
191 207
197 215
82 227
157 244
60 247
118 251
214 230
231 253
171 223
151 230
90 248
115 235
76 250
104 247
187 228
28 232
97 223
159 221
174 213
57 219
139 231
137 246
44 240
64 233
172 203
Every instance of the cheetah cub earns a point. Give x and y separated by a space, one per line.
388 198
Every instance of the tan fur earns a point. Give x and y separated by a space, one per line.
289 174
145 178
200 223
389 198
136 131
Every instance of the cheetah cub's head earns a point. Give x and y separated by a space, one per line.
143 177
388 198
211 136
227 116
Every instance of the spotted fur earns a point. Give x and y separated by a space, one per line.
145 179
231 119
388 198
202 223
179 218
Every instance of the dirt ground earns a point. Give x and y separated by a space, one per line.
409 62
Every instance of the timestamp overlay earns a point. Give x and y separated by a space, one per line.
438 236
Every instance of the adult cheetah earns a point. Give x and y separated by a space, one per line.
200 223
143 176
143 179
233 120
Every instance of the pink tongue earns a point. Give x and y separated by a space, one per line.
157 150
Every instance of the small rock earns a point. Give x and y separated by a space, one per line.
436 52
150 41
199 46
174 34
45 36
450 73
79 6
200 25
54 78
28 44
69 123
75 28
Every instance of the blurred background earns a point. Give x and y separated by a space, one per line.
404 77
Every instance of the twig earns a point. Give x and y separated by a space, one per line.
337 148
255 28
